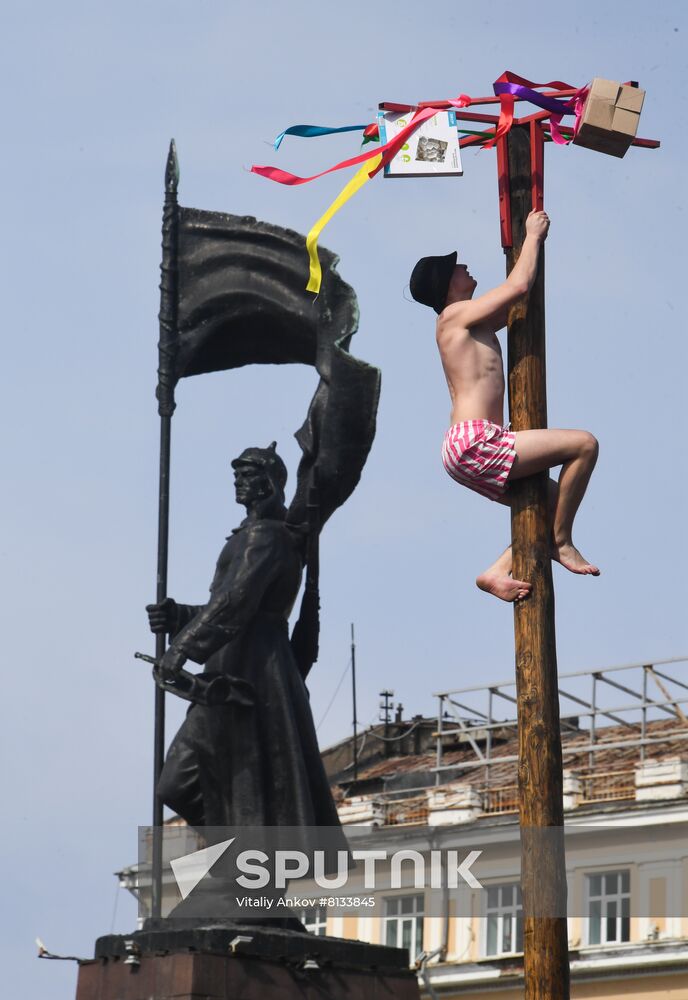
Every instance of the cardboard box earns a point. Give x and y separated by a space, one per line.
431 151
609 122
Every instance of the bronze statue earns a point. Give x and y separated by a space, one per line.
233 294
238 763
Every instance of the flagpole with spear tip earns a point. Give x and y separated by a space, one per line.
166 405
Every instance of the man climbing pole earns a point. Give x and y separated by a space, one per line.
478 451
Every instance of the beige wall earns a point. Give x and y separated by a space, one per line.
658 900
645 988
659 879
350 928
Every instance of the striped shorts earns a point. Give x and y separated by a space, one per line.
479 454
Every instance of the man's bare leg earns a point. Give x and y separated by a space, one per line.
497 580
576 452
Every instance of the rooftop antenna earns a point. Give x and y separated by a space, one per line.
353 693
386 709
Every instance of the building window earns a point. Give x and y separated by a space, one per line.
504 912
609 907
314 919
404 924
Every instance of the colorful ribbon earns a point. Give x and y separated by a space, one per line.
310 131
371 133
362 175
284 177
378 157
508 87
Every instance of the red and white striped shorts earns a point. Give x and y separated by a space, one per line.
479 454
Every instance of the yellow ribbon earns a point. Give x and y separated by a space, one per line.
357 181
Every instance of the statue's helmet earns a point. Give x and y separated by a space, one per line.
269 461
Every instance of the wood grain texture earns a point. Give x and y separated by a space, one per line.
543 871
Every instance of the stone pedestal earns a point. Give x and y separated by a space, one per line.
243 962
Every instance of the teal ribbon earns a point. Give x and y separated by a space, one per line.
309 131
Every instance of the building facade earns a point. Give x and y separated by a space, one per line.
428 787
450 782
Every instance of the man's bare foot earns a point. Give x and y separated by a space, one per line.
570 558
503 586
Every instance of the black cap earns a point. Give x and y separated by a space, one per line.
429 282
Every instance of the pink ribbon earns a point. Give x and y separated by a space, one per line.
388 151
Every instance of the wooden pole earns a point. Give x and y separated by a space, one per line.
543 870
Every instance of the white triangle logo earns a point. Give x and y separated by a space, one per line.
191 868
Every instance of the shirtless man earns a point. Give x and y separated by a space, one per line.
478 451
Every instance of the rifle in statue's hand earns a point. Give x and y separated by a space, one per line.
208 689
304 638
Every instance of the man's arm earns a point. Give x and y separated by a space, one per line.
493 304
234 602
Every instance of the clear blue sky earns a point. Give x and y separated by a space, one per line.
92 94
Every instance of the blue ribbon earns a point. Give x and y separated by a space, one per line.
309 131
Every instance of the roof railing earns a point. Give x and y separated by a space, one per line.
591 687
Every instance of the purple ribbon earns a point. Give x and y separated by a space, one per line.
526 94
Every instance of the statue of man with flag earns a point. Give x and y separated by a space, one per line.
247 755
237 763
